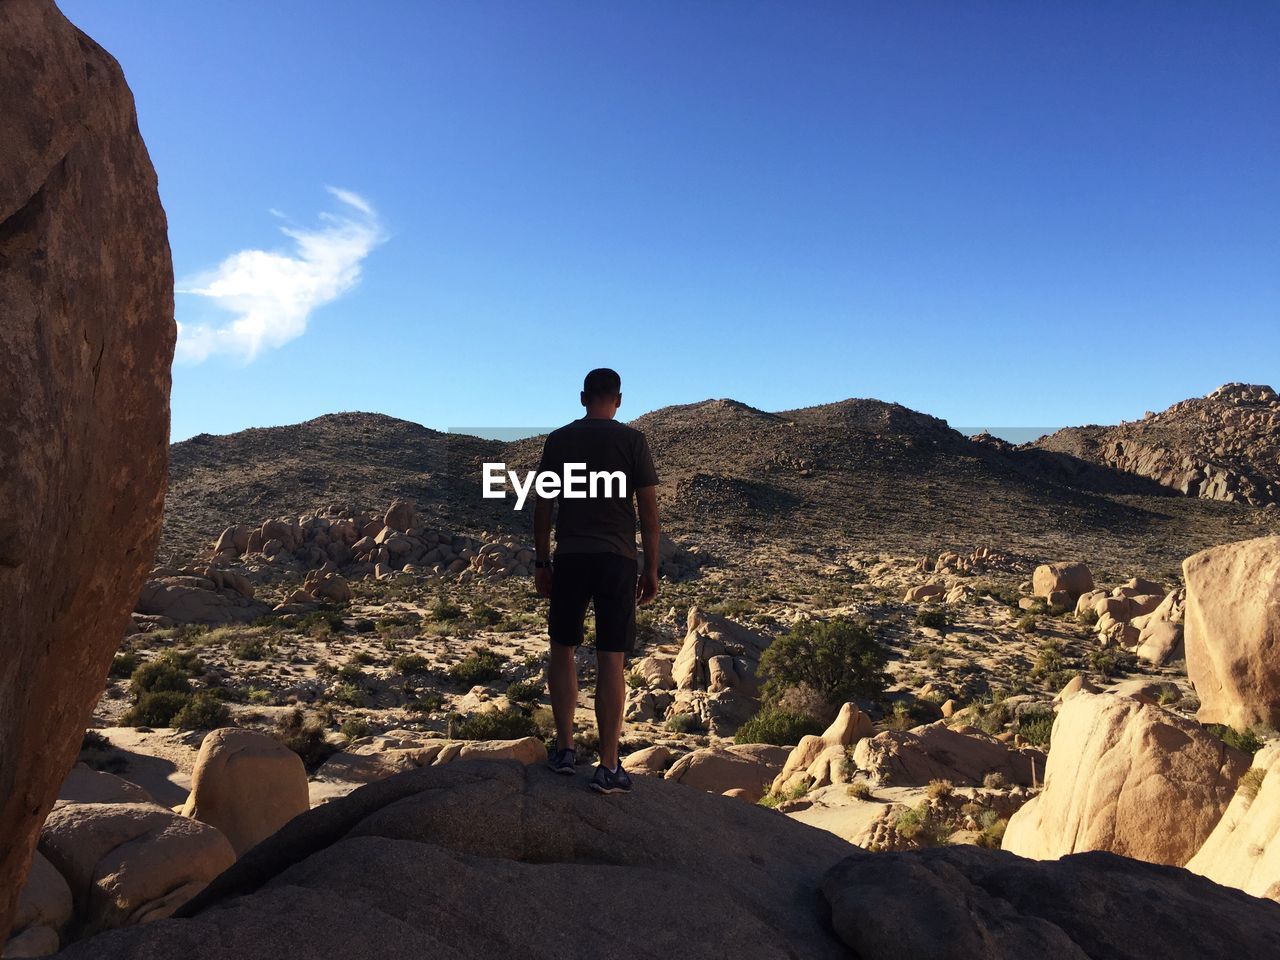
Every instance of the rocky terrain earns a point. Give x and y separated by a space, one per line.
857 475
1225 446
903 694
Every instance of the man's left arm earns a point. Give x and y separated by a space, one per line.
646 484
647 504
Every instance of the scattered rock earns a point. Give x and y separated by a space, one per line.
963 755
375 758
749 767
651 761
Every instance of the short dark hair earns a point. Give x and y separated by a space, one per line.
602 384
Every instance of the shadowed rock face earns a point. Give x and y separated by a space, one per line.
496 859
86 339
965 903
482 859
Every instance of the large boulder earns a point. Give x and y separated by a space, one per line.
44 910
199 595
1071 579
1232 632
1244 849
246 784
966 903
963 755
478 859
1128 778
812 762
130 863
86 341
748 767
707 636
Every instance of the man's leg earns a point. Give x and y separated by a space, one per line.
562 680
611 696
570 594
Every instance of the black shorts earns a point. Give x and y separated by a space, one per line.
606 580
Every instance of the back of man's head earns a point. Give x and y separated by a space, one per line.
601 384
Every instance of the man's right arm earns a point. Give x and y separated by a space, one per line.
542 509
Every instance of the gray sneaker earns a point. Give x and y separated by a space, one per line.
607 781
563 762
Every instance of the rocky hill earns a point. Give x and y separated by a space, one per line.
1224 446
855 475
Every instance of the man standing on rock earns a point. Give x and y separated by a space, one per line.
595 562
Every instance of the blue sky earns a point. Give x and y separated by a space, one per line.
999 213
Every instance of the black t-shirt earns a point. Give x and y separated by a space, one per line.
599 524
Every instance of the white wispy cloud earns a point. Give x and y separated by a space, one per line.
270 295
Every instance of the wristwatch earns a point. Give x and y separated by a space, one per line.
542 564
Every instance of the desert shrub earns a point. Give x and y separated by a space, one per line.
202 711
525 691
1251 782
995 780
349 694
933 616
1048 661
1036 726
363 657
838 658
353 728
992 827
484 616
93 740
1112 661
778 727
1027 623
156 708
166 673
683 723
364 625
444 611
351 673
939 789
305 736
859 790
990 717
427 702
734 608
411 663
479 666
794 793
493 725
123 665
920 826
1088 616
635 680
261 695
1246 740
249 648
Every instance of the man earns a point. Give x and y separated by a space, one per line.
595 562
